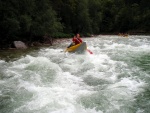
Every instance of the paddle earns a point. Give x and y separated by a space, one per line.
89 51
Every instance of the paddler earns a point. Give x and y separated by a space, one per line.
76 40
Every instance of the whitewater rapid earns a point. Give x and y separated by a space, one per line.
114 79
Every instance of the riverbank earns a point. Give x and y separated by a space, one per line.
8 54
13 53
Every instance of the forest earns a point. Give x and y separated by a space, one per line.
31 20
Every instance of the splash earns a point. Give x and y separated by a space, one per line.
51 81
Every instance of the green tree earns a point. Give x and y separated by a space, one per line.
83 21
9 23
74 15
95 12
26 19
44 19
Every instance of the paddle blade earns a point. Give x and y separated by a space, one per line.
89 51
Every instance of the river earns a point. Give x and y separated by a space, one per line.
114 79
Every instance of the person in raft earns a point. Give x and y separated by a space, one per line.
76 40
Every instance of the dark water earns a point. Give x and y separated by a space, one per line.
114 79
14 54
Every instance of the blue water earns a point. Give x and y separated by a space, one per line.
114 79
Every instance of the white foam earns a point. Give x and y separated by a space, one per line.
59 81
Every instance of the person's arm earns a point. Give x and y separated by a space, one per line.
80 40
73 40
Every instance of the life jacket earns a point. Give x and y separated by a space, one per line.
77 40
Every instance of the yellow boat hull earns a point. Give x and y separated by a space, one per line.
77 48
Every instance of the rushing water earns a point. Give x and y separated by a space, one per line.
114 79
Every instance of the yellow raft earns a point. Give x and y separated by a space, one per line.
79 48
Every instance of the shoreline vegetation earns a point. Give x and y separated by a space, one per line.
34 22
48 41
